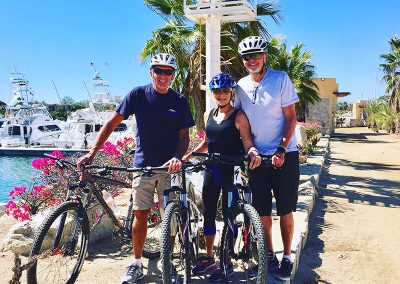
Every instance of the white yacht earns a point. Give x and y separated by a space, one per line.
27 123
82 126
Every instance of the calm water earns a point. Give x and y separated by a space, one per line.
14 171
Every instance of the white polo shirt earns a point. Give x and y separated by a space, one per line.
264 110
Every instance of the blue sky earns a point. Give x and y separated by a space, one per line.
57 41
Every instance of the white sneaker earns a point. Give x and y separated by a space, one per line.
134 274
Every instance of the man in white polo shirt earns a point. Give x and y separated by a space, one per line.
268 98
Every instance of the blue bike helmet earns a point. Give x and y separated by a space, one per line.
222 80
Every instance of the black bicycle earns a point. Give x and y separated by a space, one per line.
180 229
243 236
61 242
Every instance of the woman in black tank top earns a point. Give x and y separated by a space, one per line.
227 132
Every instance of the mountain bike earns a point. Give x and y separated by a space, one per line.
180 229
243 236
61 242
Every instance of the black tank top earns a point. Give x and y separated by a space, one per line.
224 137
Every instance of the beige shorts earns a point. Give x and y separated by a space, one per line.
144 188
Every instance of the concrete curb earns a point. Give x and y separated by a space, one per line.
310 187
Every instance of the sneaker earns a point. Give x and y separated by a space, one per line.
273 265
204 264
133 275
285 270
253 272
217 276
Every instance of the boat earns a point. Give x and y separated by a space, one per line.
83 126
27 122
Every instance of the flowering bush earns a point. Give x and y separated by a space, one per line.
50 187
195 138
42 192
313 131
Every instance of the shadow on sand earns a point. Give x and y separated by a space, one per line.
368 191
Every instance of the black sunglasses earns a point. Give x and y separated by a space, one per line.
159 71
247 57
221 90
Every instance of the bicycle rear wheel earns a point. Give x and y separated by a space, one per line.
175 249
248 247
60 246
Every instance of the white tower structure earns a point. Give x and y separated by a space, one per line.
212 13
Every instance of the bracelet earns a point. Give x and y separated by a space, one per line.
253 149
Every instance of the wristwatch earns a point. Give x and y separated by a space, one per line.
280 149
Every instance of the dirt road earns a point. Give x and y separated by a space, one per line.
354 228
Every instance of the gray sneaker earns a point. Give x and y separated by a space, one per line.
133 275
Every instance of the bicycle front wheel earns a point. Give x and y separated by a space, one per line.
243 242
175 249
60 246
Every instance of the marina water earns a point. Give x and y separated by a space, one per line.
15 171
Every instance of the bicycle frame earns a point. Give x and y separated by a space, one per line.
235 207
89 188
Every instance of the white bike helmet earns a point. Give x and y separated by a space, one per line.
252 44
163 59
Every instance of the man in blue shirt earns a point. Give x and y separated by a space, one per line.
163 120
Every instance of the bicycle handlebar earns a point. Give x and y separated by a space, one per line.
59 160
123 169
218 158
185 165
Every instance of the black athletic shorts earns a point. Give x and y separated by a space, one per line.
283 181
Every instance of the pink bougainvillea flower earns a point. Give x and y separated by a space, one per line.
25 207
24 216
16 191
11 205
110 148
43 164
200 134
124 142
38 189
57 154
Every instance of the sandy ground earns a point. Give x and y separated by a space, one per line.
354 228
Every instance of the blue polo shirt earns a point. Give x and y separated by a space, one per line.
159 117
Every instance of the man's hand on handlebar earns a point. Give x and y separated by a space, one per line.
173 165
84 160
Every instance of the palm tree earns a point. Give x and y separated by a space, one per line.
391 69
187 42
380 114
296 63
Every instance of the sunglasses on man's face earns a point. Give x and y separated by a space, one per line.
222 90
247 57
167 72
